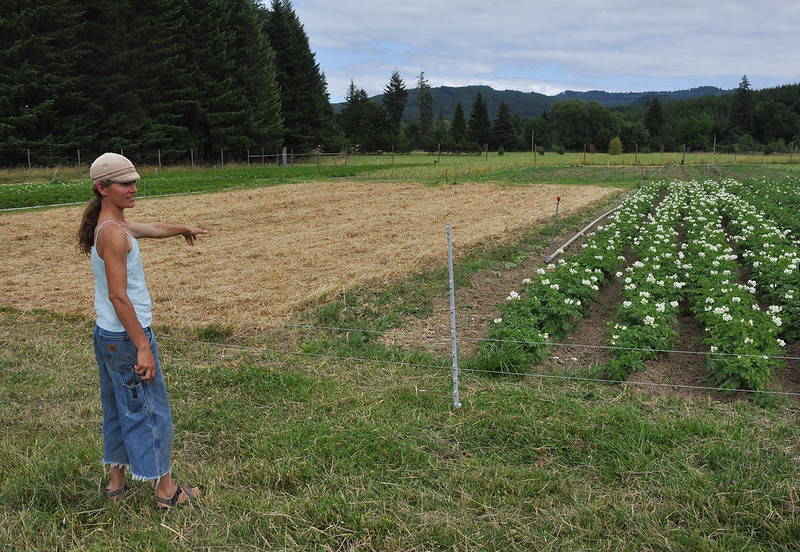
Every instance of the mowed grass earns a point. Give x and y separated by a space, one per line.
309 453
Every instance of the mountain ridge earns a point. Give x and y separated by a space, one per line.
529 104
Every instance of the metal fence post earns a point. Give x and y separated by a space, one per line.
453 335
159 160
555 217
79 158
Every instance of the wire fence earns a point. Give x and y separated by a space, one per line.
444 365
33 158
454 339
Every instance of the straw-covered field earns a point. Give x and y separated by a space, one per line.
273 251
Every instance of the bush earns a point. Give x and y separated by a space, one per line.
501 150
559 149
615 146
778 146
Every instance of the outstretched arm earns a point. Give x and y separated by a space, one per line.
161 230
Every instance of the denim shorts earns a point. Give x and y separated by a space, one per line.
137 423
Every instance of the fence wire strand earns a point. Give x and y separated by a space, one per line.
446 339
264 349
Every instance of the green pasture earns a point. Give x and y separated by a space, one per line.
304 453
40 187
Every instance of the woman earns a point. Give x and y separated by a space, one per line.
137 424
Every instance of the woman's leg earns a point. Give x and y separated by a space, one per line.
115 457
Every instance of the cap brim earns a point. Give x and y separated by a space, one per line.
125 178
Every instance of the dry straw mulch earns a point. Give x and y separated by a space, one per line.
273 251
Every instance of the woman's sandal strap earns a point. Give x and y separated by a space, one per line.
116 493
171 502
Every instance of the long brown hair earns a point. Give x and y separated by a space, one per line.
89 221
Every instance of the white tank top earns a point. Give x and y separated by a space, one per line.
137 288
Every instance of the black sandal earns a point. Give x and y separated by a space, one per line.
168 503
118 494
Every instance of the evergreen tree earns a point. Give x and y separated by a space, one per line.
42 104
363 122
503 134
352 112
303 90
654 122
113 70
395 96
458 128
222 108
425 102
742 110
441 134
480 129
773 120
601 126
254 76
161 79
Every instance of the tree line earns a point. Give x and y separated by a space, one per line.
148 75
765 120
214 76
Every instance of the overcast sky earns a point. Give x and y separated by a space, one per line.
549 46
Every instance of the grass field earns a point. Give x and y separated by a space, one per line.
43 186
323 454
309 449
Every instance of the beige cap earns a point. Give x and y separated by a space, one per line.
113 167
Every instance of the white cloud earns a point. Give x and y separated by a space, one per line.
549 46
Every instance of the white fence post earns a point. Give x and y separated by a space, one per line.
453 334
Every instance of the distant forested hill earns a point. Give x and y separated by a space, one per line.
530 104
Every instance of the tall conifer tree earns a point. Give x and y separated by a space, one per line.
480 129
307 112
395 96
458 129
112 70
425 103
654 122
42 106
742 110
503 128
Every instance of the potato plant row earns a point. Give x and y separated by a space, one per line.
741 336
779 200
551 301
770 254
652 290
682 255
